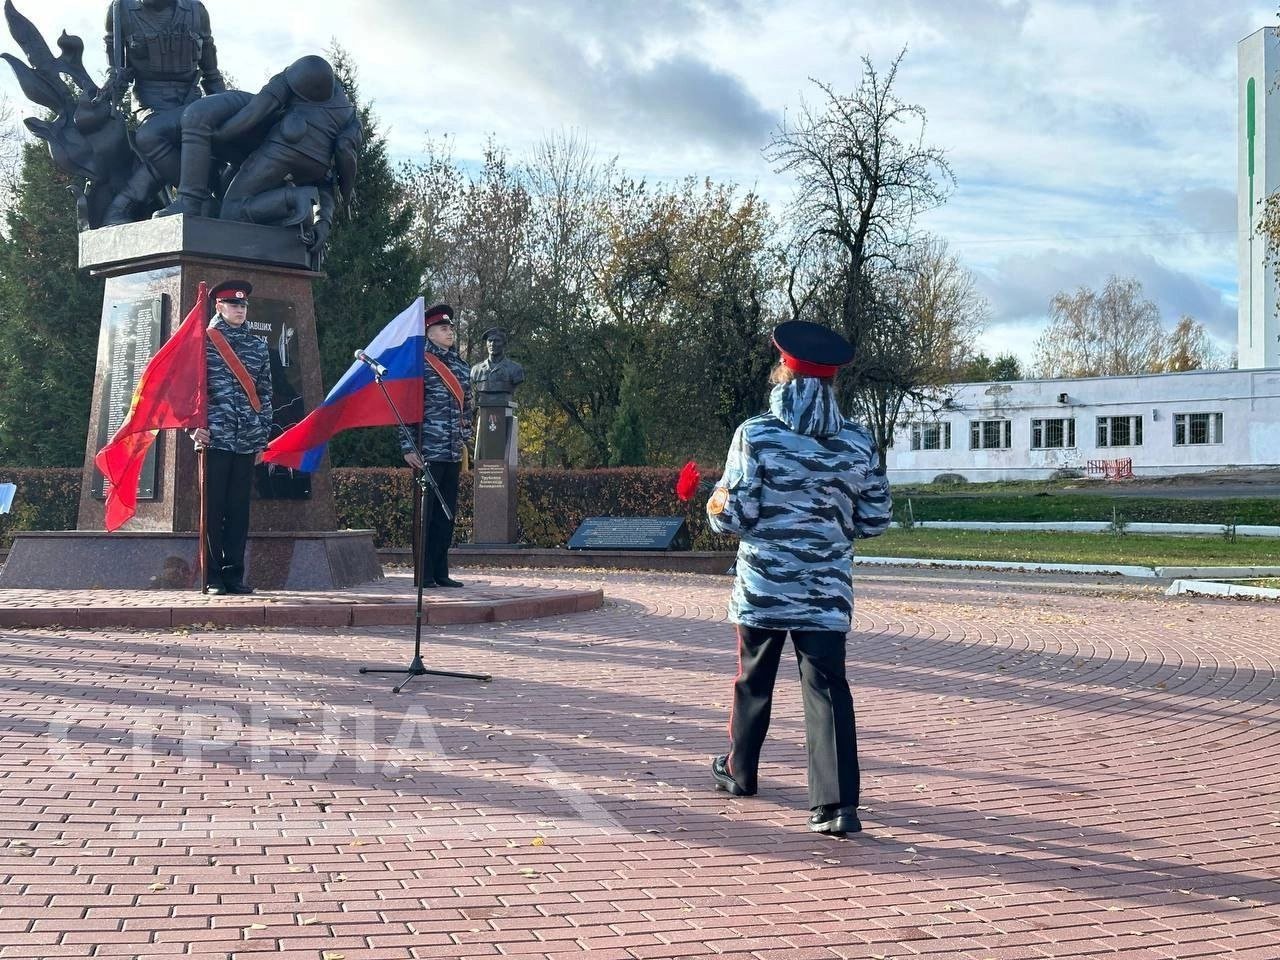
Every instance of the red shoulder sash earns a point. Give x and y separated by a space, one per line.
451 382
237 368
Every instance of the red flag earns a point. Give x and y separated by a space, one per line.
170 393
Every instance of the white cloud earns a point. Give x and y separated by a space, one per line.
1100 129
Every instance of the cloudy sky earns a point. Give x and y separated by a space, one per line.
1087 137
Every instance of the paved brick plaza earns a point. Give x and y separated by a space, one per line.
1050 771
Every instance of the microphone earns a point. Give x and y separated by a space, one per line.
371 363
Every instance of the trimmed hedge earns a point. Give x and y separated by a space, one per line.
551 502
47 499
550 505
1047 507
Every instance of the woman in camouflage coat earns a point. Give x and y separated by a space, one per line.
800 485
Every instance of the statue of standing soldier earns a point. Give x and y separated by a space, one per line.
165 49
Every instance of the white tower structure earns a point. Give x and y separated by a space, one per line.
1258 178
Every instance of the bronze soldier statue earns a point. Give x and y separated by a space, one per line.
165 50
290 145
283 157
313 139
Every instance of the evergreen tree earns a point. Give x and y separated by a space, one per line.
979 368
626 433
373 272
49 321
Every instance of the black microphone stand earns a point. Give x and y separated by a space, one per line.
425 482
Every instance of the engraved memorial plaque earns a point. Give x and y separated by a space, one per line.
490 476
132 338
631 533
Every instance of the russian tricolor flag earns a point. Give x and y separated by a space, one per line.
356 400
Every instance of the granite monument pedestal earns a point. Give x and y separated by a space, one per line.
153 270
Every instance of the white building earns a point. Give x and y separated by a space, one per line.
1258 176
1164 423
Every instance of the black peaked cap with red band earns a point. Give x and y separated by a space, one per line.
439 313
810 349
236 291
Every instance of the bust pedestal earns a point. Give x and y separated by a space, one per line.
494 481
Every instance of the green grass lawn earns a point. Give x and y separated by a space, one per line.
1138 549
1044 506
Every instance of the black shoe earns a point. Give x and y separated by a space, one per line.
184 205
239 588
724 779
215 589
833 819
448 582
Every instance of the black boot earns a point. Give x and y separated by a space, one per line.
724 779
137 191
833 819
186 204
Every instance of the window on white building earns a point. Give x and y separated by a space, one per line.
1053 434
1120 431
1196 428
931 436
990 434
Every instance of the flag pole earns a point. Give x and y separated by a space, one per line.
426 483
200 483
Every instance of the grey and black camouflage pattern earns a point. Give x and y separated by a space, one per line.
445 430
800 484
233 424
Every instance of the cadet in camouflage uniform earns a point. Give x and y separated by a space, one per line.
445 431
801 483
235 437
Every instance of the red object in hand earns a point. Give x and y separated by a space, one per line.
687 484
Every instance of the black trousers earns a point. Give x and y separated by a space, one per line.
228 480
828 710
435 557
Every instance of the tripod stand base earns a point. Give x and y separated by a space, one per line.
416 669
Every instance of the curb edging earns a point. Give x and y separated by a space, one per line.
399 614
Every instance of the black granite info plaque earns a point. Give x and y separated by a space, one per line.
133 337
276 322
631 533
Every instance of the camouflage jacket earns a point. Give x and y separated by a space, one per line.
445 428
801 483
233 424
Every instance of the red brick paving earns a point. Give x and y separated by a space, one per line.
1050 772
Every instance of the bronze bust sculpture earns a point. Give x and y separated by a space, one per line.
497 376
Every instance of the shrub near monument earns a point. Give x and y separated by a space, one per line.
47 499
